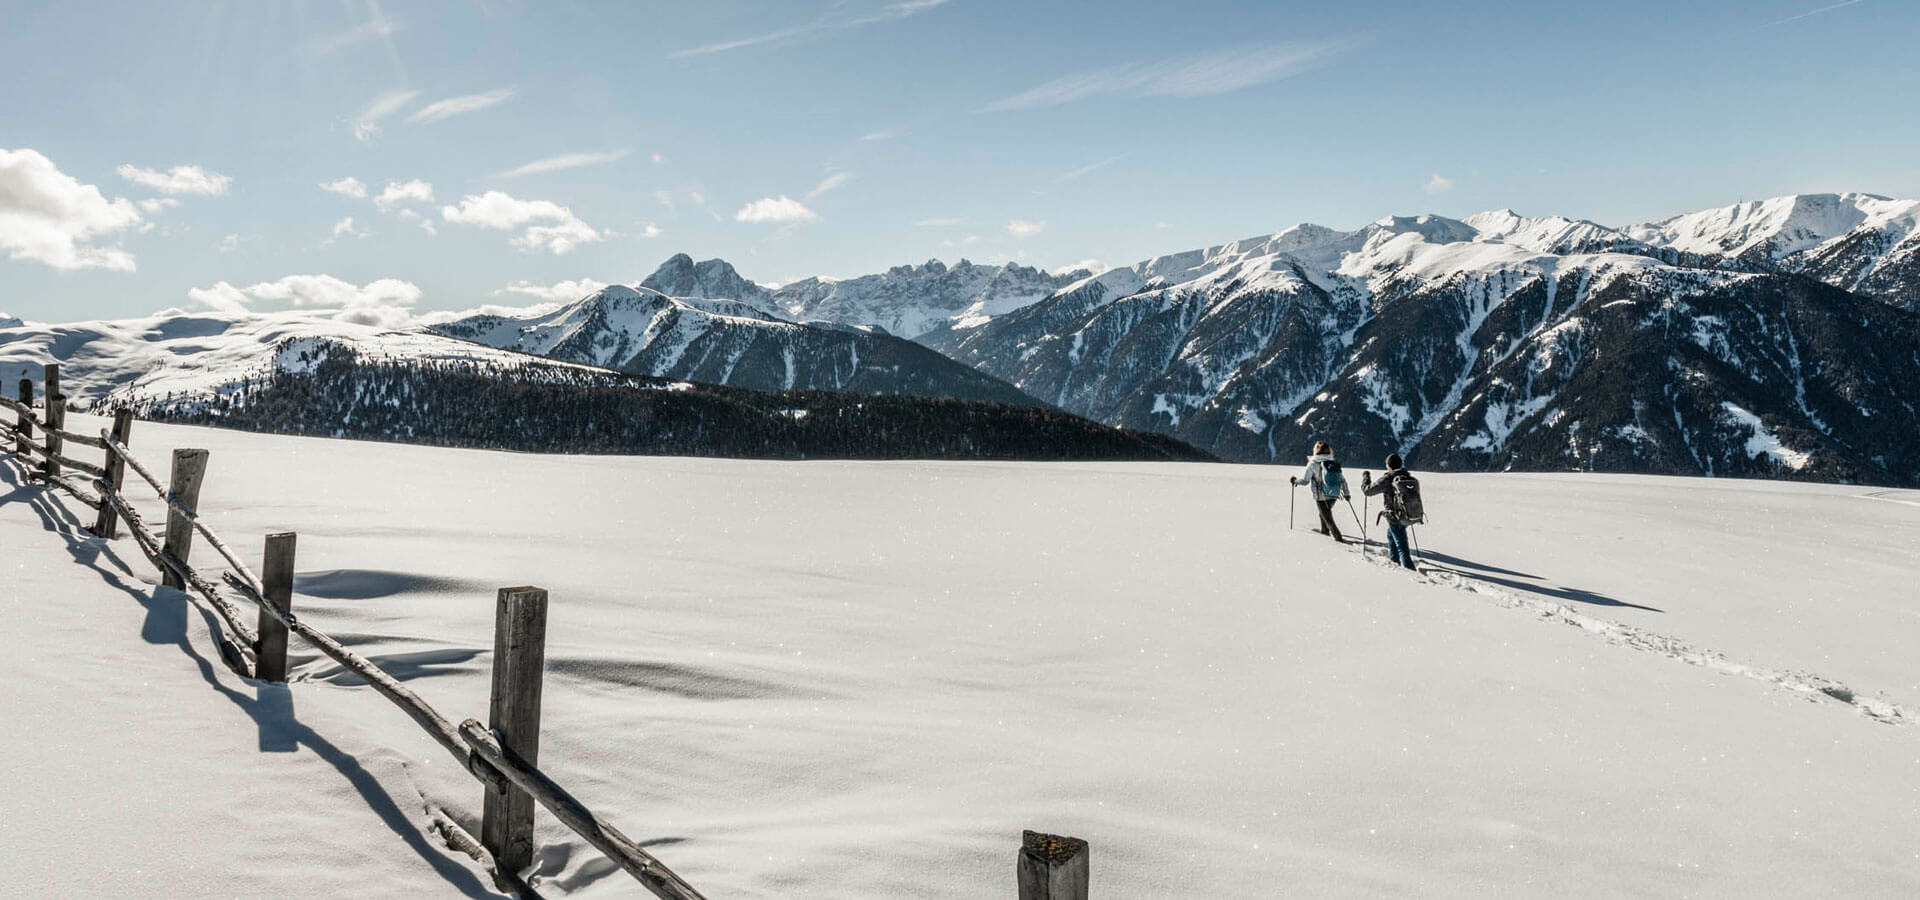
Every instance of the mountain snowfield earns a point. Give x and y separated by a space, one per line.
863 679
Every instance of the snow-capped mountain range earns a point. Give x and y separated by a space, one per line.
1469 343
728 341
907 301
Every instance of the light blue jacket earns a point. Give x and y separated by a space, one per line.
1311 476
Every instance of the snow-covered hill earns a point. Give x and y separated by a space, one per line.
727 341
861 680
208 353
1498 341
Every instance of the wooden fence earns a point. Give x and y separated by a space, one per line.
501 755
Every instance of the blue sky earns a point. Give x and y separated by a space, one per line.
173 155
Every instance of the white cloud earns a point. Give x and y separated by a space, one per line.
1022 228
228 244
157 205
384 302
1438 183
1814 12
558 292
776 210
346 187
221 298
344 226
822 25
829 183
503 212
48 216
177 180
563 161
664 198
1093 266
648 229
1217 72
454 106
884 134
1092 167
398 192
367 123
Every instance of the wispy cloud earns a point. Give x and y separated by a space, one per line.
377 28
781 210
367 123
1438 183
344 226
563 161
833 21
1021 228
177 180
884 134
940 222
454 106
1218 72
1814 12
829 183
1086 169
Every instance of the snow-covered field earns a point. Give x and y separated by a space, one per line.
863 679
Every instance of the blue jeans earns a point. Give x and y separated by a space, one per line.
1397 547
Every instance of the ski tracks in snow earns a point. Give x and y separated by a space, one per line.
1807 684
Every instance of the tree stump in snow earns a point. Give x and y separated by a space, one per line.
1052 867
519 663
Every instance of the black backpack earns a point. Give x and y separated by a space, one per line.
1406 498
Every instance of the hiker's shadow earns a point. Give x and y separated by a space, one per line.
271 706
1534 584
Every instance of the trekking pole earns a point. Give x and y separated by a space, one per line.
1356 521
1291 494
1417 555
1363 523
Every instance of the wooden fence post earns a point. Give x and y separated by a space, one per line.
116 471
23 430
189 466
1051 867
276 577
56 419
519 663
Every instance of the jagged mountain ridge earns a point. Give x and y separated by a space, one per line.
727 341
1393 337
905 300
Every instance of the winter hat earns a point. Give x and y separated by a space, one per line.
1393 460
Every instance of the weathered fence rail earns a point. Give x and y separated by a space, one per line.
500 756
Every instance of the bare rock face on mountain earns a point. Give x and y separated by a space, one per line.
912 300
1506 343
729 342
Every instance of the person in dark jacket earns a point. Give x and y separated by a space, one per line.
1323 478
1397 548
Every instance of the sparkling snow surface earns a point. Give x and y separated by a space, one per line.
863 679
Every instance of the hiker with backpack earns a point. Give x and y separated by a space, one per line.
1400 491
1323 478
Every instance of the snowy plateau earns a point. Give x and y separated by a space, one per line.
863 679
